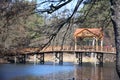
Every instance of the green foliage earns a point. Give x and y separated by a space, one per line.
95 14
18 23
98 15
33 25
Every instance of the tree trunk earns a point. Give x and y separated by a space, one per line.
115 8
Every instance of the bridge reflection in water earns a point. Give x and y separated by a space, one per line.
67 71
90 72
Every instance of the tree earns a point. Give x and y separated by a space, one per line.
115 9
11 16
12 11
95 14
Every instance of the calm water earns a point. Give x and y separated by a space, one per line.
57 72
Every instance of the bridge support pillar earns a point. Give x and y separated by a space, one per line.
59 57
41 58
9 59
35 58
79 58
100 58
24 58
15 59
21 58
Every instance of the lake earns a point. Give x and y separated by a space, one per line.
67 71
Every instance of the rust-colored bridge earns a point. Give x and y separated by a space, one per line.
104 49
19 56
96 36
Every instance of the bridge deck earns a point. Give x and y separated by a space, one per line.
20 55
65 49
80 51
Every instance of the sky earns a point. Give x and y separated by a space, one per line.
69 6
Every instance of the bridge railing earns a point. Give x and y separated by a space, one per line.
58 48
106 49
81 48
109 49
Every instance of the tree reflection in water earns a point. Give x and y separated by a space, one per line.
96 72
85 72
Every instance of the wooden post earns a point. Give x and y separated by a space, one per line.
101 44
56 57
24 58
41 58
35 59
61 58
96 44
100 58
79 58
93 43
15 59
75 43
93 47
18 58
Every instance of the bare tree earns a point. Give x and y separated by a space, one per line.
115 9
12 11
11 14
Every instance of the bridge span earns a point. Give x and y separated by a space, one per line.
86 40
20 55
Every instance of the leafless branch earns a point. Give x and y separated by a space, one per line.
63 23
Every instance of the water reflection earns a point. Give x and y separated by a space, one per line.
58 72
96 72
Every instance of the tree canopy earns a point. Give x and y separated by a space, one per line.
16 13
